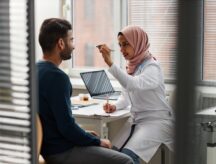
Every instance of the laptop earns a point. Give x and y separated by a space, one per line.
99 86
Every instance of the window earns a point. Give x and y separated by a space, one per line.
89 54
89 11
158 19
100 26
209 65
99 21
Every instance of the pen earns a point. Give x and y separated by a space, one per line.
107 99
98 46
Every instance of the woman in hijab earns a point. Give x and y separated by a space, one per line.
151 120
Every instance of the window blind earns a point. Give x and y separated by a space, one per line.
15 92
159 19
209 65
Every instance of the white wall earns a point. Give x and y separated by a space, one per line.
44 9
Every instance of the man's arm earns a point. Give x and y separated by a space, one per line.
59 99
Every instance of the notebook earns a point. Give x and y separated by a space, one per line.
99 86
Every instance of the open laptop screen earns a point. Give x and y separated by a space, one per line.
99 86
97 82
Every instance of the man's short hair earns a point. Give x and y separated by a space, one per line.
51 31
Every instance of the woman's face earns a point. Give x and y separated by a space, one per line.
126 49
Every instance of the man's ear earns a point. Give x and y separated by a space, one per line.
61 44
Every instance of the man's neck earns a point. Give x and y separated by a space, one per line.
52 58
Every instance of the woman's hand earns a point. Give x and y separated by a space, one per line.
106 53
108 108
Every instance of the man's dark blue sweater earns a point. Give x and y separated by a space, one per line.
60 132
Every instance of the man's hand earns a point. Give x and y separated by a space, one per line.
105 143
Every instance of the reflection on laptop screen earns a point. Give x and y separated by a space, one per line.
97 83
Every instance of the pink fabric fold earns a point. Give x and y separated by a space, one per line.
138 39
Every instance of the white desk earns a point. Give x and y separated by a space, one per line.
94 118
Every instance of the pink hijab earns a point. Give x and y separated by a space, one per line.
138 39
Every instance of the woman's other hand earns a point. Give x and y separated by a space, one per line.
108 108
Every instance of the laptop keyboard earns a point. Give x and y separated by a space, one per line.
112 96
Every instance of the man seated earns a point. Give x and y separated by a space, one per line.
64 142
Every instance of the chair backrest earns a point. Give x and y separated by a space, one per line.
39 134
39 140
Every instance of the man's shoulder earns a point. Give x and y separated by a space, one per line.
57 74
47 70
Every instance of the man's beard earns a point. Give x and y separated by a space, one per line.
66 53
65 56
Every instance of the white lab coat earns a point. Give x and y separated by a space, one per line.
145 94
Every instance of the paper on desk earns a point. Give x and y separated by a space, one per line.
97 110
76 101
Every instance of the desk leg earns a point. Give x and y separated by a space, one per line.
102 129
98 125
105 131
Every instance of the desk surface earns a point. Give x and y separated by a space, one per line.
93 117
96 110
